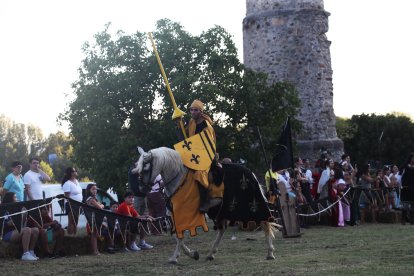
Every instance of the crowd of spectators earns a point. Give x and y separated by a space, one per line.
49 232
345 186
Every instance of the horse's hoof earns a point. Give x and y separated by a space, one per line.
210 258
174 262
196 256
270 257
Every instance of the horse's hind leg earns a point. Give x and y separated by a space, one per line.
269 235
216 243
174 257
187 251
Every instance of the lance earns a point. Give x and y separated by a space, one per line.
177 114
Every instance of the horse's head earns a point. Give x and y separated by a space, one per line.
143 167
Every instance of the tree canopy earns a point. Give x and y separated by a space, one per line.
20 142
121 101
385 139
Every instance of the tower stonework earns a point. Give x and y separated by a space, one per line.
286 39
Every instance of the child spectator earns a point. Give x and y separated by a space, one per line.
91 200
51 231
127 209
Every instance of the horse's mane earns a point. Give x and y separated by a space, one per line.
167 160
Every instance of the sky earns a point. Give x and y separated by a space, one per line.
41 40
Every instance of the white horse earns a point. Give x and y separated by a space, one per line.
168 163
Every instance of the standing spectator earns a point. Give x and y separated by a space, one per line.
14 181
27 236
127 209
156 202
326 175
271 185
33 180
407 190
73 190
302 177
393 192
308 172
140 200
347 158
397 183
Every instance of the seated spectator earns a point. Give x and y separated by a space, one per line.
91 200
51 231
27 236
111 240
127 209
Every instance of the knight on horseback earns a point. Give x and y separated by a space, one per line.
201 122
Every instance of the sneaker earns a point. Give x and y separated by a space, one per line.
134 247
123 250
144 245
28 257
33 254
110 250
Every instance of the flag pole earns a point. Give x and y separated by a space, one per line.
177 114
272 184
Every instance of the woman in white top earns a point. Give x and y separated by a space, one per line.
72 190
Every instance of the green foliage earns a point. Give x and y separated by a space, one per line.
18 142
121 100
344 128
47 169
60 144
361 135
3 174
13 142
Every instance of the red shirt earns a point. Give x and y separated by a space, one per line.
127 210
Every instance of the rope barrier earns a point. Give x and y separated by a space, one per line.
327 208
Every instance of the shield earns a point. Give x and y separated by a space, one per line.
197 151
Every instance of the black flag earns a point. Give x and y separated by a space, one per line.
283 154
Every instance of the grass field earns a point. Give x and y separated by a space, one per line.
369 249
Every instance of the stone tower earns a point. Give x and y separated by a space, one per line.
286 39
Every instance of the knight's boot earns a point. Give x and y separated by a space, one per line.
204 199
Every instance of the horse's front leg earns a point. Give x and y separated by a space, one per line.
174 257
216 243
187 251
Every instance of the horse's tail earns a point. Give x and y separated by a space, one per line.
271 228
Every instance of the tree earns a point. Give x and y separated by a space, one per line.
35 140
58 145
121 101
13 145
383 138
47 169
